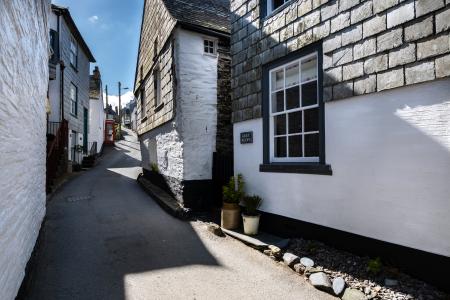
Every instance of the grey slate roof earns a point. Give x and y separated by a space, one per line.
210 14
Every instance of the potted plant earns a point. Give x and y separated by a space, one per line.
251 215
232 195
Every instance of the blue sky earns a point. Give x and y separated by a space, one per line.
111 30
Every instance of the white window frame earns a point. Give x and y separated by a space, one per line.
272 135
270 5
73 102
210 40
73 52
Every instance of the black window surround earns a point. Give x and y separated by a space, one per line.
320 168
264 8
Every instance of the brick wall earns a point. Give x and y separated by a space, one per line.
368 45
23 91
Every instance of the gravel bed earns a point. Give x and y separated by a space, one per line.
353 269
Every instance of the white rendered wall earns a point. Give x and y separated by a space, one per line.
96 122
196 103
23 93
390 155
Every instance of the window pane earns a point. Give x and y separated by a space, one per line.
279 125
205 42
309 93
280 147
295 122
278 101
311 119
293 97
309 69
292 74
278 80
295 146
277 3
312 145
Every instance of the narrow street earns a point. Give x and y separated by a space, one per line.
105 238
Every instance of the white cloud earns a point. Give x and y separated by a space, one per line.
114 99
93 19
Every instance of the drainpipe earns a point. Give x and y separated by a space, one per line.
61 83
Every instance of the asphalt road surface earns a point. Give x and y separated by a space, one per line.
105 238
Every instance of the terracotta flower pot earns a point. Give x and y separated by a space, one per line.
230 216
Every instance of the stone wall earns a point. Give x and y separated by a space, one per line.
224 137
157 26
368 45
23 91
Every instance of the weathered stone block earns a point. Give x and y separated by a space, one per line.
343 56
347 4
376 64
365 85
361 12
405 54
305 38
436 46
327 61
331 43
443 20
419 30
304 7
340 21
380 5
327 94
442 65
390 39
374 25
420 73
343 90
352 71
328 11
425 6
321 31
365 48
307 22
332 76
390 79
286 33
351 35
400 14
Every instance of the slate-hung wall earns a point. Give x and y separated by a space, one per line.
368 46
157 27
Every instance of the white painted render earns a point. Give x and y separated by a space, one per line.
390 155
196 103
96 122
183 148
23 93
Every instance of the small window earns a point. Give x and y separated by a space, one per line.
155 49
73 99
54 46
73 53
209 47
142 98
274 4
157 87
295 111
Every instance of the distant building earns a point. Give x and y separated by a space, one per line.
183 94
97 114
69 86
24 80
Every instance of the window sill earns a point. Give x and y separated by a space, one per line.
300 168
74 68
159 107
74 115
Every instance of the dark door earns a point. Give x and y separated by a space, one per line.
85 132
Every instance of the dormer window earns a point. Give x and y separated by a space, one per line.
274 4
209 46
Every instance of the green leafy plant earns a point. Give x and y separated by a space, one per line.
374 266
154 167
252 203
233 193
